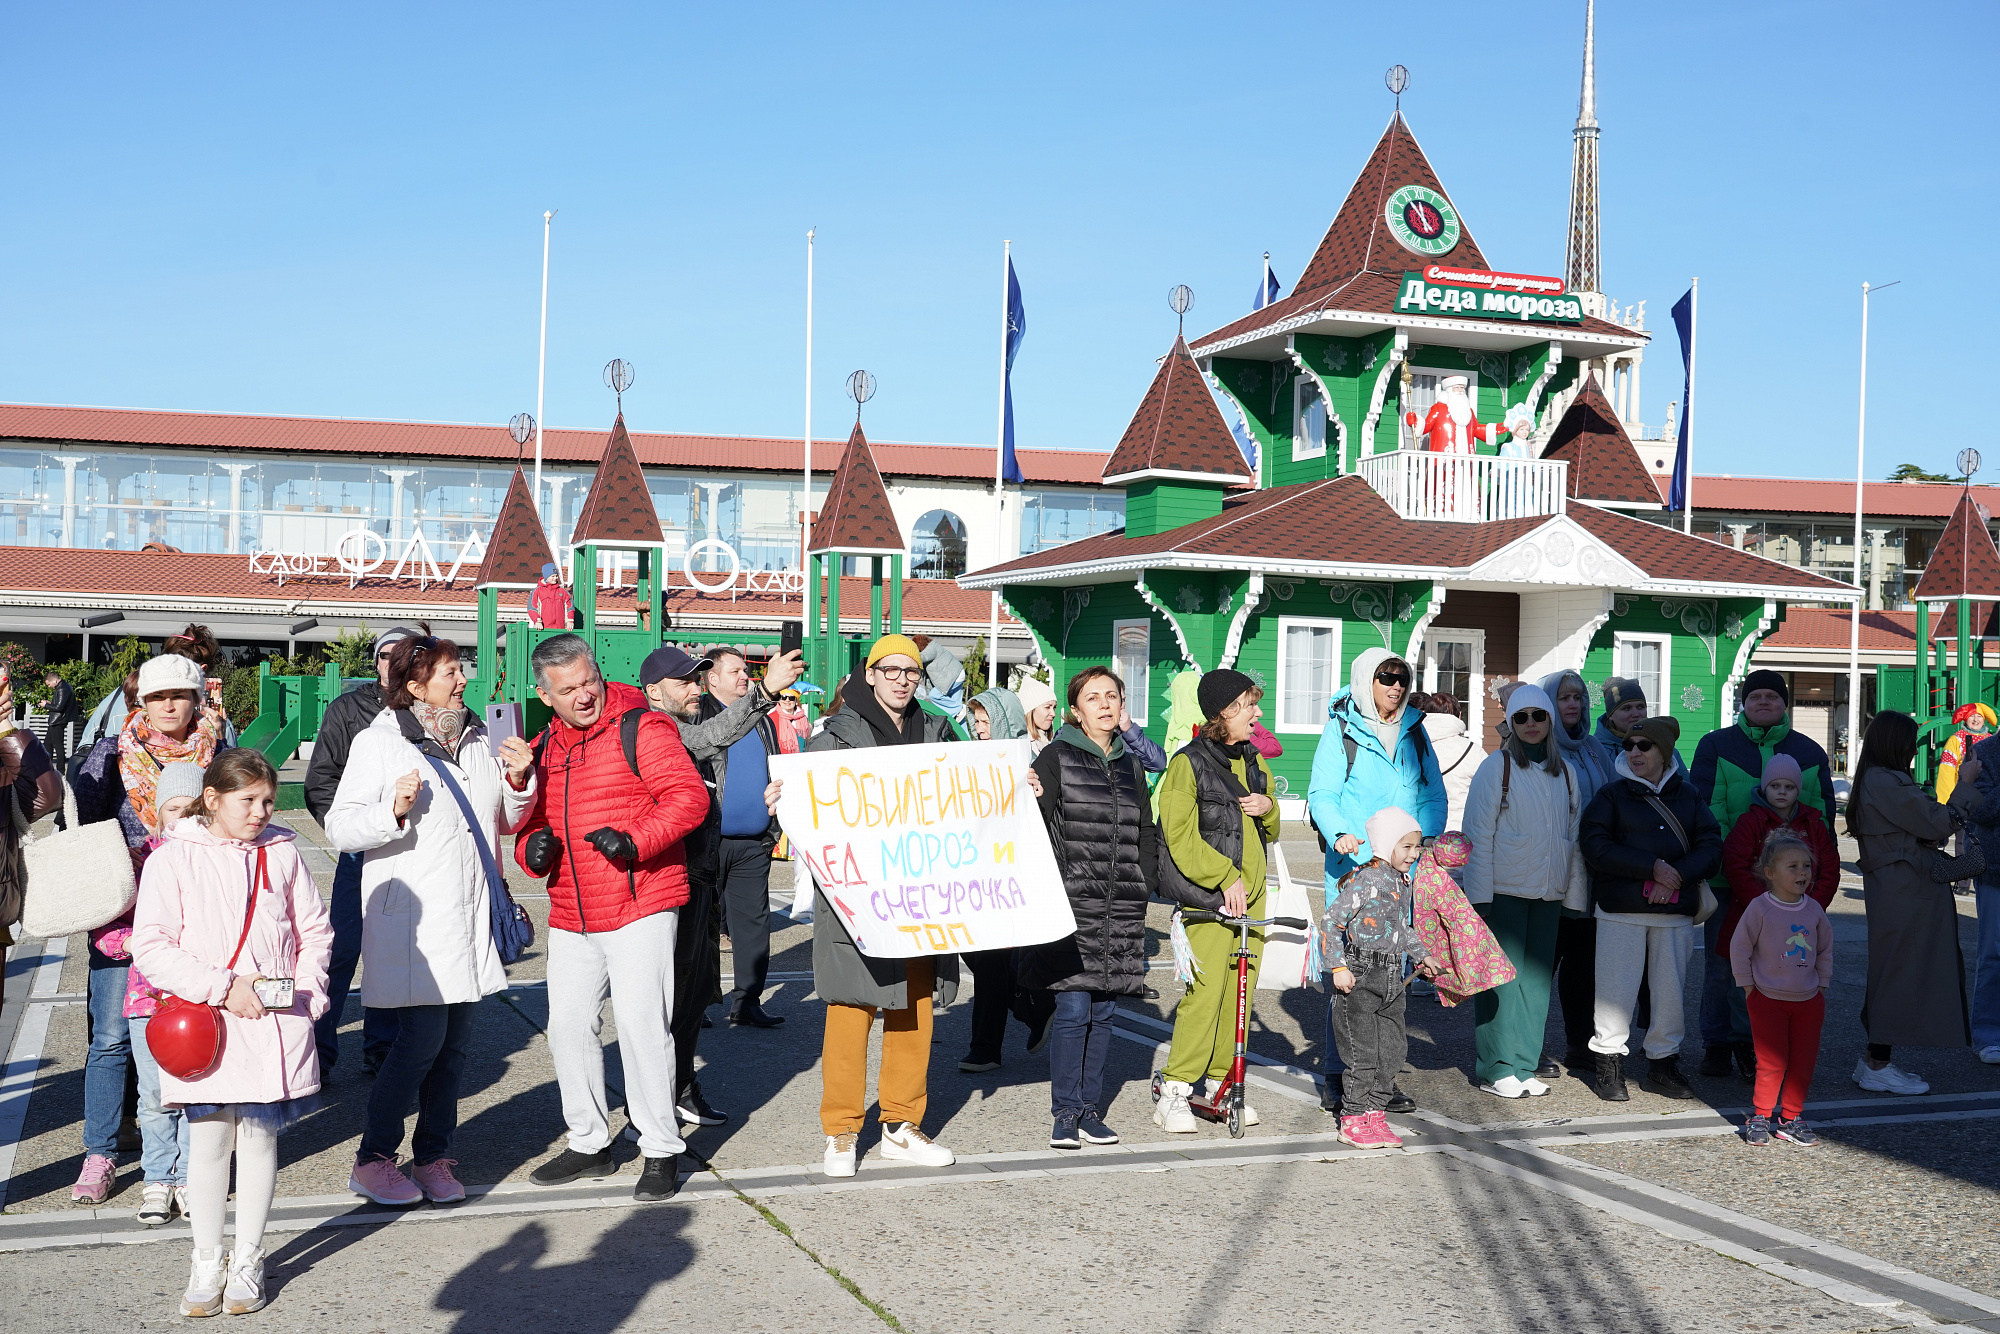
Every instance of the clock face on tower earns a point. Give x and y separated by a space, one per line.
1422 220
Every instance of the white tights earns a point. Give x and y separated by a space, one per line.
211 1140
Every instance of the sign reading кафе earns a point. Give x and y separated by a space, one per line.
1446 290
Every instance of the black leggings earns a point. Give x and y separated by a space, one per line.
1878 1051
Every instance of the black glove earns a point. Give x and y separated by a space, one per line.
543 850
614 843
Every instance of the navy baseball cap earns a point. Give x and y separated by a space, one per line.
668 661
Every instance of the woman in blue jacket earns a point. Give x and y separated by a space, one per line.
1373 754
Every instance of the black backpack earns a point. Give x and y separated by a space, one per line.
628 740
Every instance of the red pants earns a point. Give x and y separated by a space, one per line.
1786 1035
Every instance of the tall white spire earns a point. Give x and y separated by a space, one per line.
1581 262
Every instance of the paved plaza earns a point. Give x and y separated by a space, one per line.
1565 1213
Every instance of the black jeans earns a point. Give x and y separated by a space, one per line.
994 997
746 898
1576 979
1079 1041
423 1066
697 974
1368 1022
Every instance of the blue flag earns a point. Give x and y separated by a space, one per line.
1267 291
1677 494
1016 329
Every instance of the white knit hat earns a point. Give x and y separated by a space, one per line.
1034 693
1386 827
169 671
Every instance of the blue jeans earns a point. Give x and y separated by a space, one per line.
378 1027
1079 1042
423 1066
163 1131
1725 1016
105 1068
1986 970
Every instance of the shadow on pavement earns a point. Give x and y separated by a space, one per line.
595 1293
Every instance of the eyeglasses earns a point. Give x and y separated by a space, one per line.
1532 716
1638 743
898 673
1393 679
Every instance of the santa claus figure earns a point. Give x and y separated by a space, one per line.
1451 426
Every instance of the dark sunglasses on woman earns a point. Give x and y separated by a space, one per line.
1638 743
1393 679
1532 716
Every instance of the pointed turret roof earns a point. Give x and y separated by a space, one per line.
619 509
1603 465
518 549
1359 239
1178 431
1964 563
857 516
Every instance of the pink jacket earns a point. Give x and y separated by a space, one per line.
189 914
1451 929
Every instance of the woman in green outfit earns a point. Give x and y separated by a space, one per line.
1216 814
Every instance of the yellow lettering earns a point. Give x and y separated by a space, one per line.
1003 852
939 940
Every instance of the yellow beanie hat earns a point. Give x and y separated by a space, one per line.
890 645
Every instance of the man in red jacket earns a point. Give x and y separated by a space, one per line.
609 841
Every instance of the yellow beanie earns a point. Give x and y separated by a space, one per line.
890 645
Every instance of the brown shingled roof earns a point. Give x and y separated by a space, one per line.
1178 428
1603 465
1964 563
857 516
1668 553
619 509
1358 240
518 548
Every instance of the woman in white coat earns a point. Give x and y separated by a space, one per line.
426 927
1522 816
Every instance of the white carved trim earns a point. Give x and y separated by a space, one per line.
1397 351
1180 635
1326 396
1741 667
1560 551
1232 643
1415 647
1534 398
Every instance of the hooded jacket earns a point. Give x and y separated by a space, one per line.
1341 801
1458 757
586 785
1523 826
1005 718
426 925
1746 843
1623 836
1728 768
185 926
1587 756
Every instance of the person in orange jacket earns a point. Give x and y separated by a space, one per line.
1975 721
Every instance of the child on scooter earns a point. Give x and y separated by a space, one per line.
1364 938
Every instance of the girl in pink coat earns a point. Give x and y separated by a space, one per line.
190 915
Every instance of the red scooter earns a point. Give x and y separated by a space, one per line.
1225 1102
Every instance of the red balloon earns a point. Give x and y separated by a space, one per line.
186 1039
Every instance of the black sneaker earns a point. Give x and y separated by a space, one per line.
1546 1071
1611 1078
1063 1136
750 1014
1400 1102
1757 1130
1091 1126
1746 1061
1796 1131
659 1179
1715 1062
977 1064
568 1165
1664 1078
693 1109
1150 993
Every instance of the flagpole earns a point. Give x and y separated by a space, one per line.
1687 501
1854 609
805 515
993 677
542 366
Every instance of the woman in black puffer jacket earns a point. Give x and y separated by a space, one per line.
1093 798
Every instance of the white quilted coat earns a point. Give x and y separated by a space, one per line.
426 930
1529 850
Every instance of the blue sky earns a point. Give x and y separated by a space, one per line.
337 210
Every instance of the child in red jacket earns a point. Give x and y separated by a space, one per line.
1775 806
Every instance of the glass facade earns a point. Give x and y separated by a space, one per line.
1051 518
1894 551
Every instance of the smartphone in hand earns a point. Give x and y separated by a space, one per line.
791 636
502 721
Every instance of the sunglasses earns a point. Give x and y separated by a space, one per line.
1532 716
1638 743
1393 679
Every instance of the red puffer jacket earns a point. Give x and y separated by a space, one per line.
586 785
1746 841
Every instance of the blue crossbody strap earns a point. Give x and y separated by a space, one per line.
494 880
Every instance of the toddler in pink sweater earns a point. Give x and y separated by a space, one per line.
1782 954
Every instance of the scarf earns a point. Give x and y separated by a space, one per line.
443 725
144 750
860 697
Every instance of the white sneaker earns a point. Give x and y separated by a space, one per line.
156 1204
1171 1112
1533 1087
839 1160
1250 1117
908 1142
204 1289
245 1292
1990 1055
1508 1087
1888 1080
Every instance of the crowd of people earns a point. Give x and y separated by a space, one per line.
1579 864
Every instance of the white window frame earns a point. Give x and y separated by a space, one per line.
1621 638
1135 691
1301 387
1285 626
1475 701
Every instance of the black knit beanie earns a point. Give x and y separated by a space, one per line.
1766 679
1219 689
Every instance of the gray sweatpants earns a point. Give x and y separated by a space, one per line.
634 967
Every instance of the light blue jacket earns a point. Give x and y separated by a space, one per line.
1341 802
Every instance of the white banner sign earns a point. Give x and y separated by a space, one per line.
926 849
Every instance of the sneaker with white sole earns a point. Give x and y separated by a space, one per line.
839 1159
380 1180
1533 1087
205 1280
156 1204
1171 1112
1990 1055
245 1292
1888 1080
1506 1087
907 1141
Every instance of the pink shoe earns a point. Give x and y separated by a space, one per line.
379 1180
94 1182
1385 1135
1358 1131
436 1181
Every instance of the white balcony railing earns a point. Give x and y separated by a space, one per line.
1465 488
